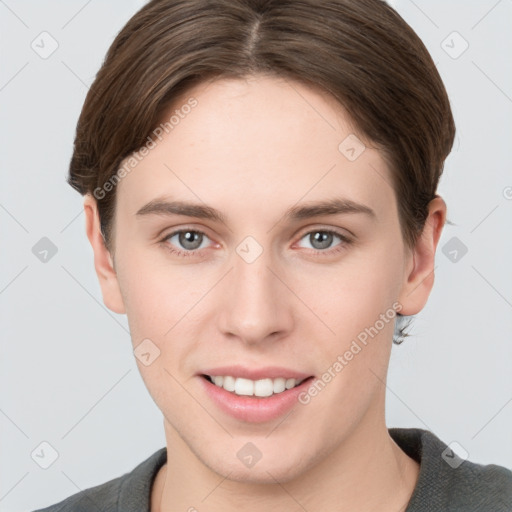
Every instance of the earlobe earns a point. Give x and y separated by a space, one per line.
103 261
419 275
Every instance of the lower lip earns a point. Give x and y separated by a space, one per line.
251 408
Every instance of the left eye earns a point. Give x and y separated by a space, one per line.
189 239
321 239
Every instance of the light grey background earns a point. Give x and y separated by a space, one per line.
68 375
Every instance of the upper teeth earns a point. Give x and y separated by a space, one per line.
263 387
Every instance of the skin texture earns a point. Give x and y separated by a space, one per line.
252 149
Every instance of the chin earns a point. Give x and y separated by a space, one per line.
259 474
267 470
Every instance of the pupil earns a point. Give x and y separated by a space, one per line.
323 238
189 237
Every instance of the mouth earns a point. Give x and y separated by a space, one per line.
260 388
256 401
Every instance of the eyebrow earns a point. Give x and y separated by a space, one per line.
314 209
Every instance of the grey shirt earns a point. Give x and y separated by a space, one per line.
445 483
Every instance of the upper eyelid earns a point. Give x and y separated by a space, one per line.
183 230
336 231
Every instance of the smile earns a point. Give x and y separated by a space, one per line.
259 388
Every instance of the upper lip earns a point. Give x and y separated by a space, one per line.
267 372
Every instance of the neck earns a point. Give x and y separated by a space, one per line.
368 471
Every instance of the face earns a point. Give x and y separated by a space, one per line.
269 281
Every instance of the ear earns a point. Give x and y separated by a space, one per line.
419 275
103 261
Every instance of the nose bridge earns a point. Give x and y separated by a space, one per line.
254 306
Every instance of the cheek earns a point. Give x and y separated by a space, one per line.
352 294
157 300
356 302
156 294
163 305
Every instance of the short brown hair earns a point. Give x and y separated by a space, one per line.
359 51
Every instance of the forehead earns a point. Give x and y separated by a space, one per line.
257 143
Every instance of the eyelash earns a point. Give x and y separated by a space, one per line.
317 252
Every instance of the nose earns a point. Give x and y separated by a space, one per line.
255 305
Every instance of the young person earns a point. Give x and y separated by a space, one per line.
260 195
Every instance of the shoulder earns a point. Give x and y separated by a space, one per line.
102 497
450 482
126 493
480 487
484 486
